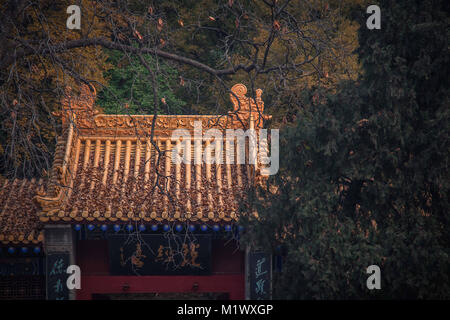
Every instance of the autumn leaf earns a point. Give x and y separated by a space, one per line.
362 122
160 24
162 41
137 34
211 18
276 25
180 22
150 10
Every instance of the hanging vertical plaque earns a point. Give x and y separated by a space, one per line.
57 263
260 275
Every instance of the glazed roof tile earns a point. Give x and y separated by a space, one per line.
19 222
118 168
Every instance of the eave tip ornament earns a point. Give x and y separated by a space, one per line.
246 107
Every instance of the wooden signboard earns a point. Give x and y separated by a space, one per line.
260 273
159 255
57 263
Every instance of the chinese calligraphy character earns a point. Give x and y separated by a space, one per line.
137 256
168 253
194 254
58 286
192 251
259 271
159 257
185 255
260 286
57 267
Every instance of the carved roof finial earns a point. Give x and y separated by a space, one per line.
246 107
80 106
83 102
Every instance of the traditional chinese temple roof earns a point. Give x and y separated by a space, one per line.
111 168
19 222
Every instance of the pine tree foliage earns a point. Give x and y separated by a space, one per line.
364 174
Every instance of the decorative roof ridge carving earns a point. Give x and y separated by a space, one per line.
79 108
246 109
53 197
80 117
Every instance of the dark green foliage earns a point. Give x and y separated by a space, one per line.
130 90
364 175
